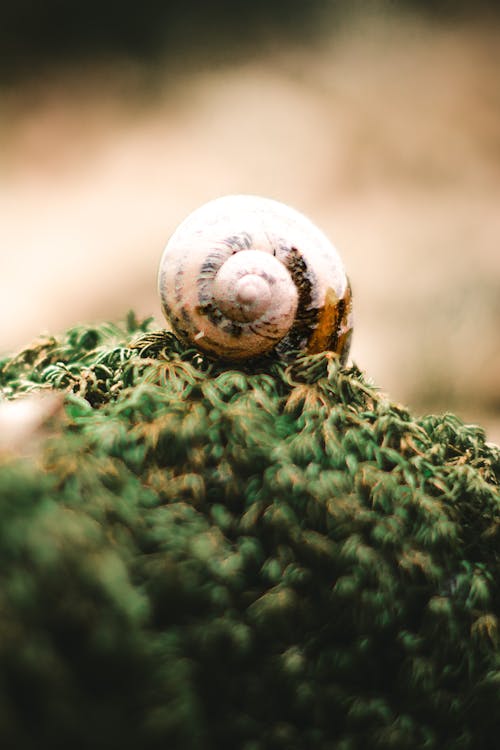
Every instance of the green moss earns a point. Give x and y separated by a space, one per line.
217 557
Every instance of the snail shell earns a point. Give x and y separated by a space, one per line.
244 275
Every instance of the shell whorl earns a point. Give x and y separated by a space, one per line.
253 287
244 275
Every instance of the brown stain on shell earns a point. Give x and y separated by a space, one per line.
333 331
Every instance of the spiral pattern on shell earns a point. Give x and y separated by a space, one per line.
245 275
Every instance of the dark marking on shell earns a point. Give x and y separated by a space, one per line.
179 328
206 276
232 327
306 317
182 323
185 316
221 321
343 328
212 264
215 347
166 307
334 339
212 312
237 242
261 332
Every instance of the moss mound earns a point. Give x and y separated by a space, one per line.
205 557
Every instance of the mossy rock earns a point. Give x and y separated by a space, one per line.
215 557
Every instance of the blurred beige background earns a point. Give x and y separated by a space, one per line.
384 130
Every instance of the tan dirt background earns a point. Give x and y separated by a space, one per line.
386 133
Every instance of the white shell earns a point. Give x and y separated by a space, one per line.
243 275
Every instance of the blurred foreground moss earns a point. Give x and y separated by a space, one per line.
204 557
